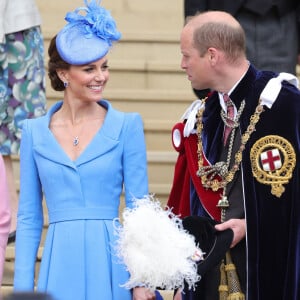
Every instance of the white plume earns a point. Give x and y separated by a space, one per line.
155 248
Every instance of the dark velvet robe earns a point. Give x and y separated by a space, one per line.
273 223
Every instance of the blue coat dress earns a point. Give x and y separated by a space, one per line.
82 199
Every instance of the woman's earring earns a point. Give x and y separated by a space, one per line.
66 84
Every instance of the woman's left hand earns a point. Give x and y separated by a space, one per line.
142 293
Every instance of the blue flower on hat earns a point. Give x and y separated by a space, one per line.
97 21
87 37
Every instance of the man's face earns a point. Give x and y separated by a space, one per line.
195 66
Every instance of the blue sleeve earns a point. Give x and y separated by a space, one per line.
30 215
134 159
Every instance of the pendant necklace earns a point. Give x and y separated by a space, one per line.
76 138
76 141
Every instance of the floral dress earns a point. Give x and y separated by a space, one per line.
22 85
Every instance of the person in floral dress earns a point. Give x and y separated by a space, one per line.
22 81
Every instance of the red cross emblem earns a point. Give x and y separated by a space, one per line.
271 160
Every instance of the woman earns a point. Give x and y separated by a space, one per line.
5 215
22 82
79 156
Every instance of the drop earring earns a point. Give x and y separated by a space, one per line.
66 84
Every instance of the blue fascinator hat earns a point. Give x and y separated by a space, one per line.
87 37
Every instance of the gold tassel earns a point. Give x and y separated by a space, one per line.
223 287
236 296
234 287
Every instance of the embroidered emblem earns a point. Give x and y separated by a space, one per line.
273 160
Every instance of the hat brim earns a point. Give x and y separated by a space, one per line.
76 48
214 243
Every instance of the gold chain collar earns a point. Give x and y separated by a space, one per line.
207 174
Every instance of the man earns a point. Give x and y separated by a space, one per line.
272 30
255 172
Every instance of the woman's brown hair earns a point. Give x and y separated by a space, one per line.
55 63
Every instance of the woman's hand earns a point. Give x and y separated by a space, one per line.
238 227
142 293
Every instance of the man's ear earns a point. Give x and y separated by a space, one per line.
212 55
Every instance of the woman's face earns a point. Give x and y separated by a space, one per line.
87 82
